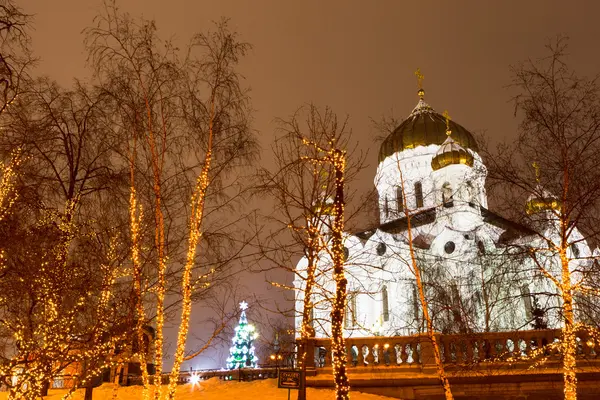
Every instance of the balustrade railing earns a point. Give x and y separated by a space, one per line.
455 349
512 346
371 351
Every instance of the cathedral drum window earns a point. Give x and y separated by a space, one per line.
575 251
351 309
419 194
386 207
399 200
385 308
447 198
449 247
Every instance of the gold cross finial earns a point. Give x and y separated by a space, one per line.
420 78
536 167
447 117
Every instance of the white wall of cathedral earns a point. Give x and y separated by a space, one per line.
422 188
368 272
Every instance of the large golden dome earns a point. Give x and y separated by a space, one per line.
423 127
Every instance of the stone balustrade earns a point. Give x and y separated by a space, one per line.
462 349
372 351
511 346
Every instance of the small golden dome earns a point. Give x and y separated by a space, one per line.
451 153
324 207
544 202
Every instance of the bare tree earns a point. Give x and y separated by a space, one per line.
187 120
304 189
15 55
65 172
559 133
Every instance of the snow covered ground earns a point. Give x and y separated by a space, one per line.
215 389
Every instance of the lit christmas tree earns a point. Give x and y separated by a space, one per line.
241 354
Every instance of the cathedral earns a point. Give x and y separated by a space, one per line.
475 265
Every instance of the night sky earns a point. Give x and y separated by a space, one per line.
358 57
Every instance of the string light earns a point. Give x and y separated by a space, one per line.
196 217
49 345
337 159
135 216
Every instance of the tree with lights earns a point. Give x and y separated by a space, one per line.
187 123
241 354
304 190
335 157
559 135
62 246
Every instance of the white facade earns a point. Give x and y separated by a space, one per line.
462 248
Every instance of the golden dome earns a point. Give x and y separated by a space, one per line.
546 202
450 153
423 127
324 207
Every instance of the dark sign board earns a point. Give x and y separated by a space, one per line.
290 379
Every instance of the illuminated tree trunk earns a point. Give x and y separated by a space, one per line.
135 215
423 300
569 344
197 213
342 386
313 244
157 158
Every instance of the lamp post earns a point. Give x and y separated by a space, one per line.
276 347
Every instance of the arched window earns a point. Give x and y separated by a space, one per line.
481 247
416 305
447 199
575 250
385 308
419 194
386 207
527 303
351 310
399 200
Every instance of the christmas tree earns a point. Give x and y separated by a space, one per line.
241 354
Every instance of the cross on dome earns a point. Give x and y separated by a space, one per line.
243 305
420 78
447 117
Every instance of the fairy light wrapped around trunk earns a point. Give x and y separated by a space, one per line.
337 159
342 387
196 217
